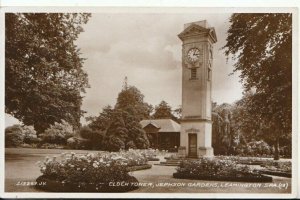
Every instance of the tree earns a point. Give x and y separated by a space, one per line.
130 98
163 111
43 68
261 44
137 137
102 122
95 138
121 123
222 132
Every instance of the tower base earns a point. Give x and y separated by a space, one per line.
205 152
195 139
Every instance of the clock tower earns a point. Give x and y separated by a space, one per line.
197 62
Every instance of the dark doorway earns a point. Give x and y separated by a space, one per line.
192 145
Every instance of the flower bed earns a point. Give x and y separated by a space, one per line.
139 167
91 172
218 170
277 168
149 154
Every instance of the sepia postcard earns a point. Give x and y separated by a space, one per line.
149 102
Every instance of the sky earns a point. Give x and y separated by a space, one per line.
145 48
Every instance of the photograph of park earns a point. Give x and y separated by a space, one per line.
149 101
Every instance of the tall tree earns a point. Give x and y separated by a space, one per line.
132 100
121 123
163 111
103 121
43 68
261 44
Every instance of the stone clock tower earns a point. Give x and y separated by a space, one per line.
197 56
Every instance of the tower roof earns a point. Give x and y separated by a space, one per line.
197 28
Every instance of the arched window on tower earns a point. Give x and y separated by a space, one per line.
193 73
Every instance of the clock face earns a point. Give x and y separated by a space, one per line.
193 55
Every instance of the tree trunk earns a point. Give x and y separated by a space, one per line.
276 153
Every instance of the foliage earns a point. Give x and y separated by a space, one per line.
43 68
18 135
254 148
102 122
262 45
278 166
214 167
95 138
131 100
137 137
30 136
164 111
84 169
13 136
78 143
91 168
58 133
119 126
50 146
223 136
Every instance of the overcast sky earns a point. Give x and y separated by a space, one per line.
146 49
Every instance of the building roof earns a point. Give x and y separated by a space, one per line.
164 125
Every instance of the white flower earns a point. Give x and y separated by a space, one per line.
78 168
83 169
95 165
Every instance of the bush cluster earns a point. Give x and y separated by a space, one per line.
254 148
58 133
281 166
55 136
210 167
18 135
91 168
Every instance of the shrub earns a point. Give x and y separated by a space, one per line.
18 135
91 169
254 148
77 143
14 136
132 157
130 145
51 146
94 138
88 168
114 143
282 166
58 133
30 136
214 168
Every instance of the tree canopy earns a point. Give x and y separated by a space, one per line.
132 100
43 68
261 45
164 111
121 123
